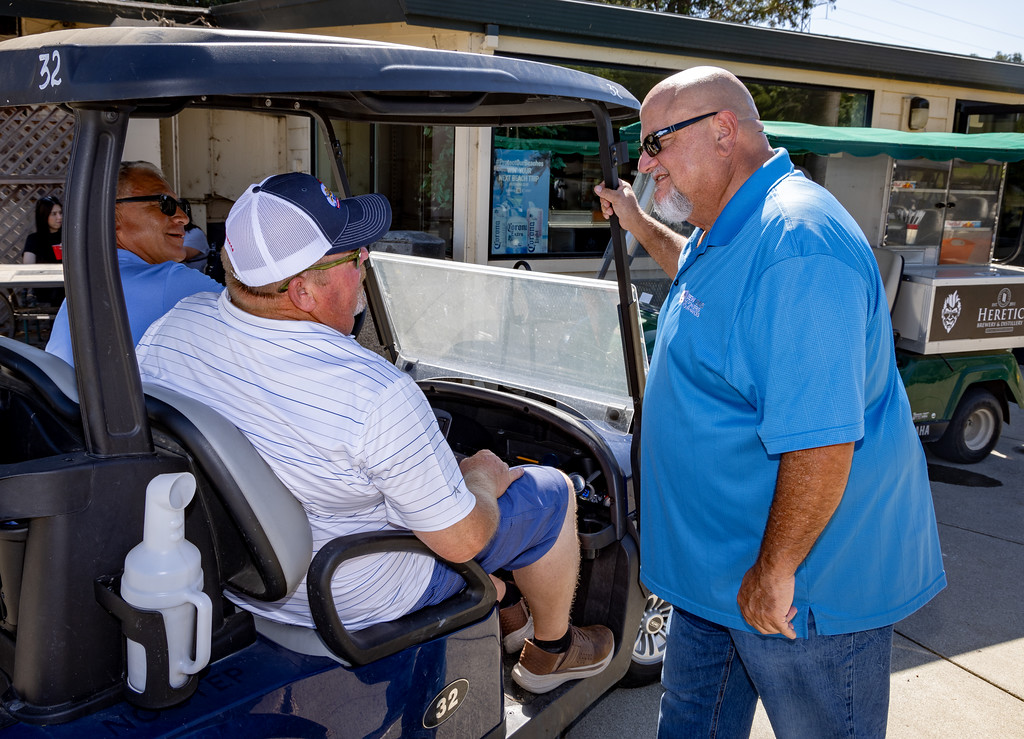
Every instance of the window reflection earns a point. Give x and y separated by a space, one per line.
413 166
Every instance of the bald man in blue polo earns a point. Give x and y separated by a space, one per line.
786 509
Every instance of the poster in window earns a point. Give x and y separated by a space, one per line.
519 216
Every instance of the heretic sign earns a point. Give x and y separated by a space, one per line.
519 215
977 312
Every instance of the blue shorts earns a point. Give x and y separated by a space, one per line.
532 513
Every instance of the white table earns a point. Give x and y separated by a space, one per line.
14 276
20 276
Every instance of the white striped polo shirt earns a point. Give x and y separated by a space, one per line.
353 438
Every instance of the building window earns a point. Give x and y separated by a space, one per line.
822 106
976 117
542 196
413 166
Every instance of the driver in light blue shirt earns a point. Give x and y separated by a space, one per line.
784 490
150 231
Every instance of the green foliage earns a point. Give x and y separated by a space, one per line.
1015 57
437 186
821 106
786 13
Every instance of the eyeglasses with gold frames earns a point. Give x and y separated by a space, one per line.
352 256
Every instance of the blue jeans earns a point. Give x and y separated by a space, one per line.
532 512
821 686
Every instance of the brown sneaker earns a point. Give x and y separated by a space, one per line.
516 626
590 652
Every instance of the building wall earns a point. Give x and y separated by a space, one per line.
142 141
210 156
403 33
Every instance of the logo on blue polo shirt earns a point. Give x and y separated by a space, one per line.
690 303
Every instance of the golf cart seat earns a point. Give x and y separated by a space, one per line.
266 556
279 541
890 264
51 375
53 405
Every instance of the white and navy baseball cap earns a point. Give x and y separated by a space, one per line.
288 222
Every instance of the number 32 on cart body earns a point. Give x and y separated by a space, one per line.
49 69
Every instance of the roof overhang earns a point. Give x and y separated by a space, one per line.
101 12
611 26
587 23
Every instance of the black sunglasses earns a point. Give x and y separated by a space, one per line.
168 205
652 141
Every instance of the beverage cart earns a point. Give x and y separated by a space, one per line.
932 200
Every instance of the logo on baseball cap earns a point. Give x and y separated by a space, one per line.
288 222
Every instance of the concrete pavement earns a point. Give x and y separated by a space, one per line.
958 663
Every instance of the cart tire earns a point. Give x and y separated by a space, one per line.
649 647
974 430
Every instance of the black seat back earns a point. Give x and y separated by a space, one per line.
890 264
70 517
25 434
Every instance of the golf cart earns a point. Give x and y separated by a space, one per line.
86 451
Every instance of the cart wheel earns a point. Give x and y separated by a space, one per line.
974 430
649 647
7 324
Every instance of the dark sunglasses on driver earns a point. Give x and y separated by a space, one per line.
168 205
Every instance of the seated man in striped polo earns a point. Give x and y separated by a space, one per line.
355 440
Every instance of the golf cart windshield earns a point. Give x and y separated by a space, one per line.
552 335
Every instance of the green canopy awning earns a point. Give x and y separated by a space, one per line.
559 146
804 138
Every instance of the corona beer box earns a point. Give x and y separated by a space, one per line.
959 308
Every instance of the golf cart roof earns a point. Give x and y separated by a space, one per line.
163 70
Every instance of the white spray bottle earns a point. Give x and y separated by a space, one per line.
164 573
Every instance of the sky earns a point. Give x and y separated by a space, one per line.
978 27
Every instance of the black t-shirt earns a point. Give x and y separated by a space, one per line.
42 246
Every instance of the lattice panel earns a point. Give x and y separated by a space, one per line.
35 148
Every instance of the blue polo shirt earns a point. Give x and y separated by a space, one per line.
150 290
776 337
